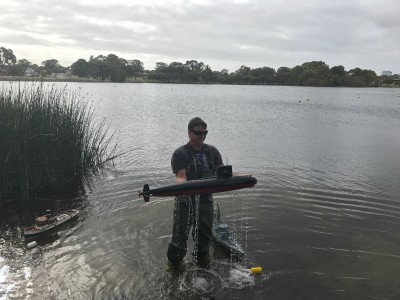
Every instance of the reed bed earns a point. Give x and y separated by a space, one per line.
50 141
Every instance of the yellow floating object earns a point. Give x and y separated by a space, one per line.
256 270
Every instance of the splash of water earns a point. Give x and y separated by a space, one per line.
195 229
208 283
239 278
199 281
239 230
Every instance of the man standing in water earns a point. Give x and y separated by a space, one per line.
194 160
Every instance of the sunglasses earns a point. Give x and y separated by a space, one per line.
200 133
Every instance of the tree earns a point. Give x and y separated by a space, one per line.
175 71
208 75
24 63
315 73
193 70
296 76
194 66
222 76
134 68
264 75
97 67
282 75
369 76
7 57
115 68
338 74
242 75
224 72
359 77
355 72
7 60
338 71
19 68
243 70
159 72
80 68
52 66
161 67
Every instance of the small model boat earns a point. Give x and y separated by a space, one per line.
223 236
47 223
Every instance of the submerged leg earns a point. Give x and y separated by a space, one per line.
183 220
203 242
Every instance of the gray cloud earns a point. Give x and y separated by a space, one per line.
224 34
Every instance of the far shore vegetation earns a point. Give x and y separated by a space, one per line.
50 142
112 68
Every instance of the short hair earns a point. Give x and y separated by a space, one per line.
196 122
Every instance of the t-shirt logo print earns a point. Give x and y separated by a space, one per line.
202 161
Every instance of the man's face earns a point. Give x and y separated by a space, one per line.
197 135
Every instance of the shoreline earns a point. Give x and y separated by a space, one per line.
66 79
141 80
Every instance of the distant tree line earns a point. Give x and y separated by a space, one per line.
109 67
10 66
116 69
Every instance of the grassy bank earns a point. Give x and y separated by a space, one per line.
49 141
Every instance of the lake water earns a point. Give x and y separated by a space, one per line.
323 221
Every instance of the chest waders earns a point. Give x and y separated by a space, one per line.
200 165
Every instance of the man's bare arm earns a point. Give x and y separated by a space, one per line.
181 176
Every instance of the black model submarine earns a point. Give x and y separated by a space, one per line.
224 181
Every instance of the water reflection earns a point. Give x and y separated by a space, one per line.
322 221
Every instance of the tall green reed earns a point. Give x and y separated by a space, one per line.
50 141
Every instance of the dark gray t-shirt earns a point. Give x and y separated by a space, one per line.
180 161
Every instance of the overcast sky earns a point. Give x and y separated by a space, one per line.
220 33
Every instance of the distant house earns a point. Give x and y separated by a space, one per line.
29 72
386 73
